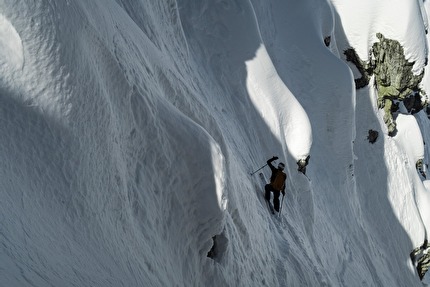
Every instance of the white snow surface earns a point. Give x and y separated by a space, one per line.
129 130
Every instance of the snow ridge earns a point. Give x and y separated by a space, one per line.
130 128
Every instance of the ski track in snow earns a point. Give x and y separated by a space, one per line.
129 129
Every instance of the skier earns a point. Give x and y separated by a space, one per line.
277 183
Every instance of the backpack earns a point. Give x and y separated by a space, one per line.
279 180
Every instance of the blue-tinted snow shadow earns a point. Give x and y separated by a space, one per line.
39 202
367 217
384 231
369 204
222 37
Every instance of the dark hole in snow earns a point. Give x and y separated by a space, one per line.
327 41
218 248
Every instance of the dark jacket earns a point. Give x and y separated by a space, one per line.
275 172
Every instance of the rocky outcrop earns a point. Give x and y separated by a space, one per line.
394 79
302 164
373 136
365 70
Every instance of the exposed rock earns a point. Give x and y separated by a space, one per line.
219 247
373 136
421 168
420 257
211 253
364 69
393 76
302 163
414 103
394 79
327 41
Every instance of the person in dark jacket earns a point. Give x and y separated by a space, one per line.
277 182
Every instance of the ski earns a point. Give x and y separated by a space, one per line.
268 203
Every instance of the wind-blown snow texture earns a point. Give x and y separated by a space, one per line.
129 130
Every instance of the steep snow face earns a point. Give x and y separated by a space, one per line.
280 109
406 23
11 46
130 128
103 179
404 187
399 20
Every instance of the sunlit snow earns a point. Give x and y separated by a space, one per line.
130 131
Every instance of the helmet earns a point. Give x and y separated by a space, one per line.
281 166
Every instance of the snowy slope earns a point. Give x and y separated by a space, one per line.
130 128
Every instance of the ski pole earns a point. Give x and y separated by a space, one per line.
258 169
282 203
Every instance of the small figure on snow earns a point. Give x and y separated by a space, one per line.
420 256
277 182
